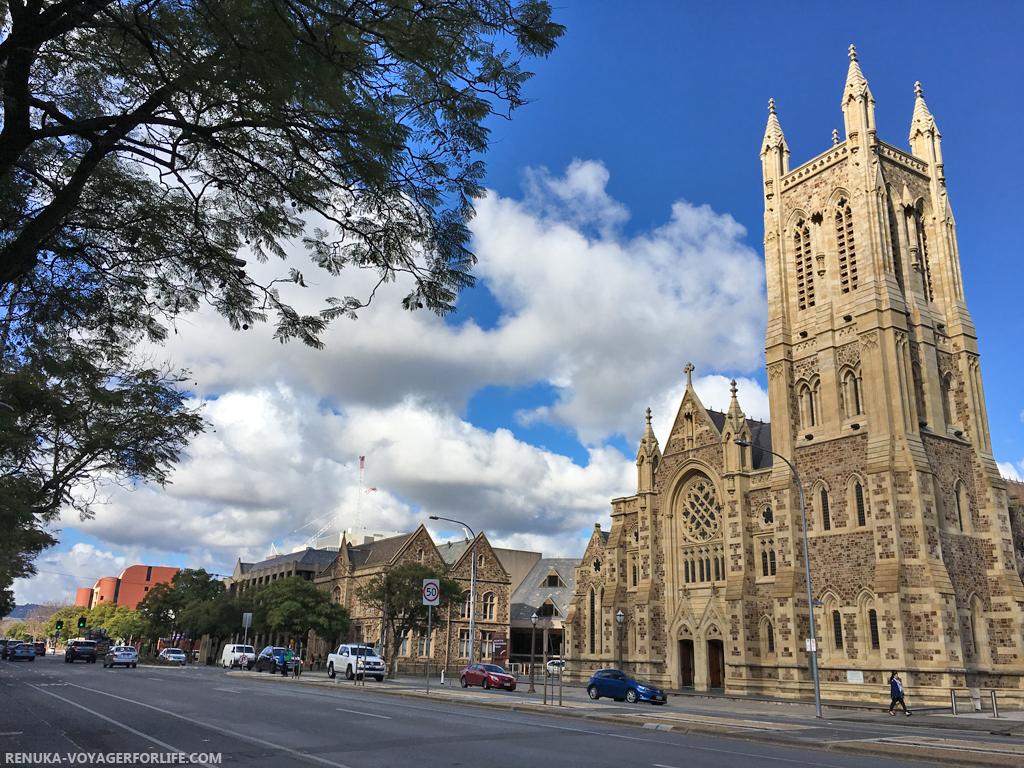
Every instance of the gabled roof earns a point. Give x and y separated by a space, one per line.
531 595
760 437
307 556
377 552
453 550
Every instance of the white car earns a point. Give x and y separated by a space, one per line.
555 667
352 660
232 656
175 655
121 654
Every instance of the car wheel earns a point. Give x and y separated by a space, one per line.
134 666
487 684
464 681
330 670
32 658
104 665
592 693
379 678
348 673
273 667
631 696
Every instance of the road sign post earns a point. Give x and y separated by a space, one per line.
431 597
246 623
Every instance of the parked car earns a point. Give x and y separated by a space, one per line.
40 647
22 651
555 667
623 686
355 659
174 655
487 675
121 654
5 644
80 649
232 654
276 659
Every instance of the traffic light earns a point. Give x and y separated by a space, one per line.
81 622
60 625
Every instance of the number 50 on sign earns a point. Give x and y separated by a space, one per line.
431 592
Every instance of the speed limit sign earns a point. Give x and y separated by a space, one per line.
431 591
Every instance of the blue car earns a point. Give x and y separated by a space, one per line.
623 686
22 651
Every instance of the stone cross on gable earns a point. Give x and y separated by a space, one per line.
688 370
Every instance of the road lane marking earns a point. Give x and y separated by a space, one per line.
364 714
218 729
227 690
128 728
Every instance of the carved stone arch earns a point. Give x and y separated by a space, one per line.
683 624
684 473
796 215
766 635
857 507
710 618
821 503
837 194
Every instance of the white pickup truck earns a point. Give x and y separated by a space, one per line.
352 660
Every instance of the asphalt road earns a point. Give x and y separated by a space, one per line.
73 710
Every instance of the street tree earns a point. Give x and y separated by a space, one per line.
162 607
293 607
218 617
397 596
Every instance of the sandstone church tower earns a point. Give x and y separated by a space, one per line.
876 396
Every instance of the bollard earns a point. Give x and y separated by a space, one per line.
952 700
561 669
442 677
995 706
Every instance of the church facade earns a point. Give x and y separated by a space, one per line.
875 396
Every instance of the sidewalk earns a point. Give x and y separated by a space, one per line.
970 739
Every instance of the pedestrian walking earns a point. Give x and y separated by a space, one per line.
319 661
896 692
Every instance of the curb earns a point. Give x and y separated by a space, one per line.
959 758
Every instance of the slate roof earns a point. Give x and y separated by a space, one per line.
309 556
377 552
453 550
760 437
531 595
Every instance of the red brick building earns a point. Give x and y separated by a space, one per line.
127 589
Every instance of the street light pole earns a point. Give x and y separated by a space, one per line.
620 617
533 648
472 588
807 567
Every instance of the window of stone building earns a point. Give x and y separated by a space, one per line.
700 511
922 411
768 516
424 646
766 546
826 518
464 643
419 555
771 561
852 405
464 608
480 561
873 624
547 609
636 534
686 571
718 574
846 248
770 633
963 510
858 499
806 400
488 612
486 645
403 650
597 565
635 570
593 621
804 267
837 629
946 395
764 562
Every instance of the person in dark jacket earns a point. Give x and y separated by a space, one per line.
896 692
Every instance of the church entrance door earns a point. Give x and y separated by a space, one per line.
716 664
686 663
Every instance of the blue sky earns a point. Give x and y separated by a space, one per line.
622 239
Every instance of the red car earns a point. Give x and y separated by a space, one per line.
487 675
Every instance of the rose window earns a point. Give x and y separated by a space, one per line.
701 513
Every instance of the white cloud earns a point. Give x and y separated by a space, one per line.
1011 472
61 573
608 321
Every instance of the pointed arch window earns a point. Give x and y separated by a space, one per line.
593 622
922 237
858 499
488 606
771 637
837 629
846 247
804 268
873 625
826 517
851 386
948 401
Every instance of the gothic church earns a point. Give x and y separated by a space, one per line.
876 397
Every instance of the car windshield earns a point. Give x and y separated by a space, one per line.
367 652
123 649
85 644
494 668
174 652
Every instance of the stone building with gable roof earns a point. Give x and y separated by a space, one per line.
875 395
357 564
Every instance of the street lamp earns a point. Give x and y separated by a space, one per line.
472 589
807 567
620 617
533 647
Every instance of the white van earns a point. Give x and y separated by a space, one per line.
231 656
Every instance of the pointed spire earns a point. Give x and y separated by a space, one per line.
773 136
649 440
922 122
734 404
856 83
735 417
